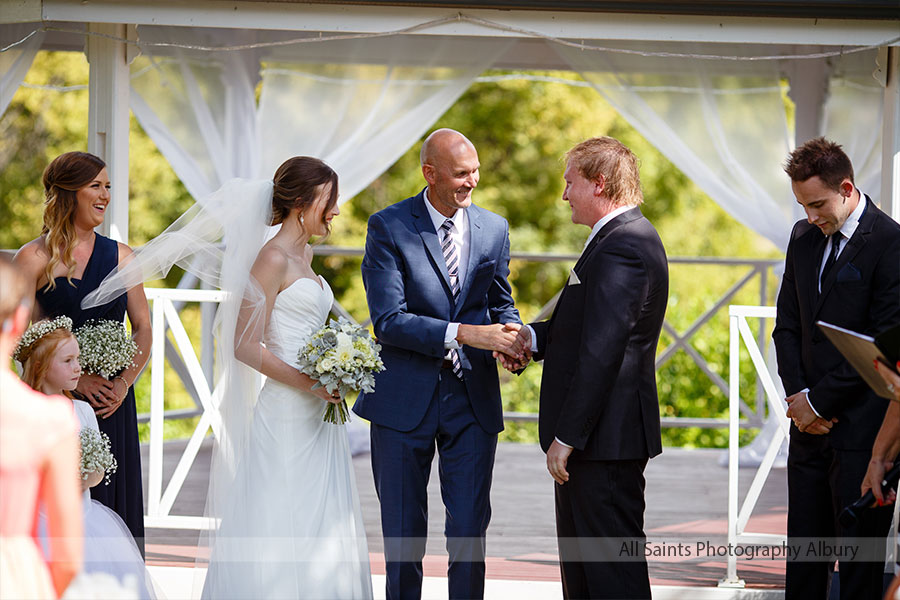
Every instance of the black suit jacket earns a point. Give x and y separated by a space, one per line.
861 293
598 390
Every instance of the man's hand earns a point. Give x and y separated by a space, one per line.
801 413
496 337
511 363
557 457
873 478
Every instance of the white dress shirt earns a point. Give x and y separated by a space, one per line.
460 237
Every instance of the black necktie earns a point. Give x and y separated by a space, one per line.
833 255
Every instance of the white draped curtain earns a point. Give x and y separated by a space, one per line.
721 122
852 116
357 104
15 61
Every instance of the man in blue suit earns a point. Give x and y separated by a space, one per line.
435 272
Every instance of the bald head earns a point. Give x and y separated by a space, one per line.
440 143
450 166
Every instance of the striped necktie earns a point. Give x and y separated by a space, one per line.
451 257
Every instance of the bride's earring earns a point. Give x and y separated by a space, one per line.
301 219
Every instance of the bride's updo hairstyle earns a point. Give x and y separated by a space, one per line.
295 183
63 177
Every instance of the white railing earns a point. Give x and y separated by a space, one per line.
165 315
739 512
738 516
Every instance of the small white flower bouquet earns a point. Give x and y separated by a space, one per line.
96 454
341 357
106 347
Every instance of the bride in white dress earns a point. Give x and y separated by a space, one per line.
282 498
291 526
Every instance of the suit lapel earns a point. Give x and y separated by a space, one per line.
625 217
429 237
854 245
476 242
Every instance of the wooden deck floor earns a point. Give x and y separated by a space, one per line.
686 503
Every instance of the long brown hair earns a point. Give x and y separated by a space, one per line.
37 357
296 181
62 178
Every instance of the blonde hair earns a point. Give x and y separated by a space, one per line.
36 358
611 159
62 179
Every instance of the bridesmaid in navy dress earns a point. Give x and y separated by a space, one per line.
64 264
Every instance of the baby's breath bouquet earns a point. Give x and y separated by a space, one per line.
342 357
96 454
106 347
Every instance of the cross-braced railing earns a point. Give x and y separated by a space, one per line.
739 512
753 411
165 316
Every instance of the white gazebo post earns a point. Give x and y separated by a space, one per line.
808 89
108 117
889 71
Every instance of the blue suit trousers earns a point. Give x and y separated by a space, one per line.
401 464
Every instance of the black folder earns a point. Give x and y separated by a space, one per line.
863 350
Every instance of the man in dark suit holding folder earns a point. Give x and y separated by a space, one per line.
842 267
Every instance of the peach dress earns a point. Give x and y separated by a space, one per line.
31 424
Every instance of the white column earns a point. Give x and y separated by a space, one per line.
108 118
890 145
808 90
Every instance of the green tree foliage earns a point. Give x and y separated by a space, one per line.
522 130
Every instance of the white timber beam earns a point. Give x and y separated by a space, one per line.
301 16
108 118
889 63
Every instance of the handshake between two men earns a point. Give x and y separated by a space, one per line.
509 342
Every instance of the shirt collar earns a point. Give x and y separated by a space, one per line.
599 224
438 219
852 222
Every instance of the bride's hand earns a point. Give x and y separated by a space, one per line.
322 393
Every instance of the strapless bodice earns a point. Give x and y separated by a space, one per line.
300 309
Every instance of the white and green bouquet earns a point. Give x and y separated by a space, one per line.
342 357
96 453
106 347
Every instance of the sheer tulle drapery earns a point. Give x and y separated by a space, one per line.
15 62
721 122
724 123
356 104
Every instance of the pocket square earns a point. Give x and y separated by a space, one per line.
573 278
849 272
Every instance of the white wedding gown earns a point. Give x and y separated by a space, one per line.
292 528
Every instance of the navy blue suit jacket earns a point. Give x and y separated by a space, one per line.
408 291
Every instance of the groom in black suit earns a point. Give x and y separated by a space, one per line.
599 414
842 267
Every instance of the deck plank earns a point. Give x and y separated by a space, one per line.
686 502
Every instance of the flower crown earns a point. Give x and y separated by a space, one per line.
37 331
